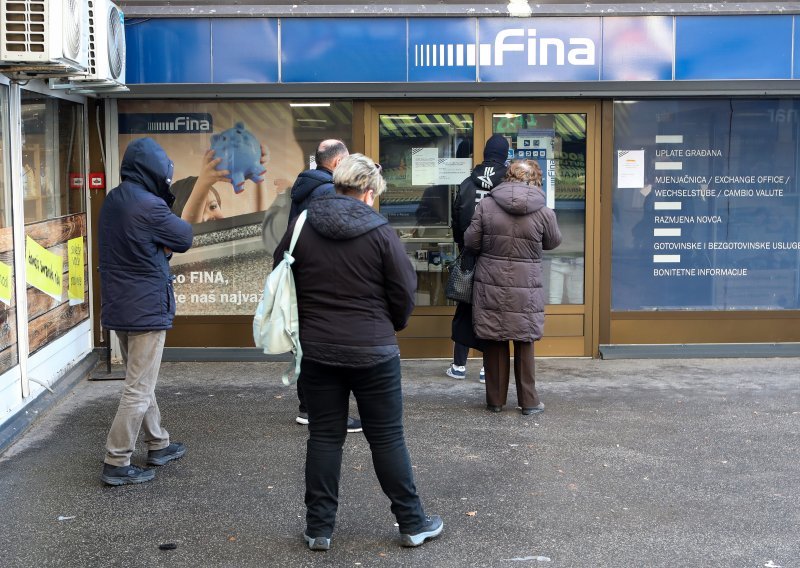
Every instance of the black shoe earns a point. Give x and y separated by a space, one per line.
126 474
353 424
165 455
318 542
538 409
432 528
493 408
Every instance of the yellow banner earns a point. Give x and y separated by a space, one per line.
43 269
75 257
5 283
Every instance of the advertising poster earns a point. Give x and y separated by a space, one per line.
76 286
264 145
44 269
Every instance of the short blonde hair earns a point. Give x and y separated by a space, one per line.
357 174
526 171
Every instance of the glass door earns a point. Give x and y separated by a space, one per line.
428 148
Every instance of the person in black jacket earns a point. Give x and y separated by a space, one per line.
355 290
137 234
481 181
310 185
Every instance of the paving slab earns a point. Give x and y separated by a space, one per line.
634 463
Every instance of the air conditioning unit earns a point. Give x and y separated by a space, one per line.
43 36
106 47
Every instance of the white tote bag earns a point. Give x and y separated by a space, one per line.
276 328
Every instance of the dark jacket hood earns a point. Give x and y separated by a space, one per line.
308 181
145 163
340 217
517 198
488 175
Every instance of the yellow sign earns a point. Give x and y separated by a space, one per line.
75 257
5 283
43 269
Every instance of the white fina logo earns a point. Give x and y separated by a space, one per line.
581 50
180 124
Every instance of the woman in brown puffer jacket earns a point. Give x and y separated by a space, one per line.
509 230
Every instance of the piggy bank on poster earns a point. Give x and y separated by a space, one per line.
240 153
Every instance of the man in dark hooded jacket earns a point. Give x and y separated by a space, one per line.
481 181
311 184
137 234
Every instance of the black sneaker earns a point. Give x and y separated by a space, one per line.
126 474
318 542
432 528
538 409
353 425
165 455
302 418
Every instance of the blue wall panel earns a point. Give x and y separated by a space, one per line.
169 50
733 47
245 50
437 49
330 50
637 49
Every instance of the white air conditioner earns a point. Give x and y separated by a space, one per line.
37 35
106 47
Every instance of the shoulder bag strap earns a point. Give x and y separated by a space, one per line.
301 219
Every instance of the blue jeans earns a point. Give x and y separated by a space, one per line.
380 404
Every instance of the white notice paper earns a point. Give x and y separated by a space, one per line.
630 169
452 171
424 166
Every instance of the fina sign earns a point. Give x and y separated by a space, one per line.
538 50
165 123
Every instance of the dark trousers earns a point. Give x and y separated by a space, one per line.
496 364
301 408
460 353
380 403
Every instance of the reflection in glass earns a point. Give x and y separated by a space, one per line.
558 143
52 157
425 158
8 322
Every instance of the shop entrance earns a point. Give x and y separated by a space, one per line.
427 149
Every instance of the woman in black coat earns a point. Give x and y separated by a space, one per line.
355 289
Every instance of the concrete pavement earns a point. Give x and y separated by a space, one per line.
634 463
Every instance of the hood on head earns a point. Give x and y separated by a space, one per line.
496 149
517 198
146 163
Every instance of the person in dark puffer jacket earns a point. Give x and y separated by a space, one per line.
311 184
137 233
355 290
509 230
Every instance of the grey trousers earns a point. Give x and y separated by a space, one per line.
138 409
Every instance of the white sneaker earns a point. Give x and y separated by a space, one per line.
456 372
482 377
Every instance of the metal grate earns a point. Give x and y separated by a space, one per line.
116 42
24 26
92 38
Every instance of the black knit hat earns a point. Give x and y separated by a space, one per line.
496 149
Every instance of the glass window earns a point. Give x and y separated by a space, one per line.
8 311
222 274
706 213
425 158
53 164
558 143
52 157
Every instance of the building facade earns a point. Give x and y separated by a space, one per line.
668 136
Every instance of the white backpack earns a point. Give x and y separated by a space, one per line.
276 328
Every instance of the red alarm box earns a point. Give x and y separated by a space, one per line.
97 180
75 181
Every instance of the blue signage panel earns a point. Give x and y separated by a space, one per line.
169 50
442 49
637 49
706 206
331 50
245 50
165 123
733 47
538 49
